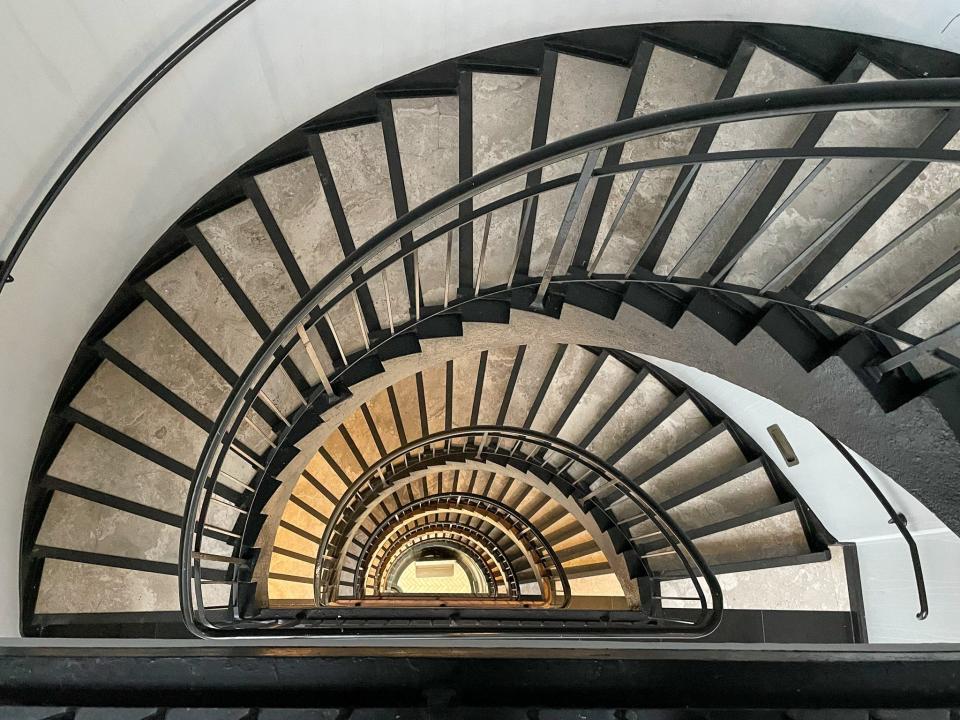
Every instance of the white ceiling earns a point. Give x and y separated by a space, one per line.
64 64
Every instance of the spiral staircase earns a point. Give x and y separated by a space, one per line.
403 415
408 332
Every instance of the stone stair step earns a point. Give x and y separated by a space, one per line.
503 107
908 261
778 533
585 93
574 368
610 381
684 424
765 72
838 187
191 288
427 130
105 589
672 80
77 524
356 159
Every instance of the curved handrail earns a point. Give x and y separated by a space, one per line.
421 459
896 518
387 526
50 197
495 444
405 544
339 283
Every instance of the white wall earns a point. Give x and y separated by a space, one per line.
851 513
63 63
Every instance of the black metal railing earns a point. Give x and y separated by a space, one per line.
112 120
421 242
524 535
896 518
562 465
487 558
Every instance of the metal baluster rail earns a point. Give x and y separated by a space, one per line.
524 535
568 466
226 475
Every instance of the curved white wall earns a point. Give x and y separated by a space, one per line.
852 514
63 64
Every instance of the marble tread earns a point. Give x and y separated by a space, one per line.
504 107
586 94
765 72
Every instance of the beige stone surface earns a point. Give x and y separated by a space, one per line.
240 240
435 396
504 107
586 94
321 470
306 491
811 586
778 536
406 394
588 558
298 204
358 163
533 370
684 425
105 589
604 585
341 454
650 398
382 414
500 361
145 338
117 400
570 375
428 136
150 342
93 461
78 524
716 456
297 543
672 80
613 378
283 565
744 494
286 590
358 430
942 313
465 371
192 289
906 264
836 188
765 73
300 518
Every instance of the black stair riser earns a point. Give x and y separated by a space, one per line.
731 318
654 302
